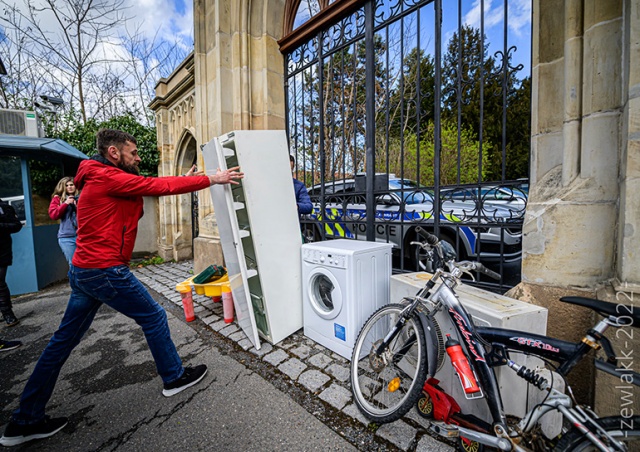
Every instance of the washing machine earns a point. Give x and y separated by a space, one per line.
343 283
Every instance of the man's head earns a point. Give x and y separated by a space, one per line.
119 148
292 160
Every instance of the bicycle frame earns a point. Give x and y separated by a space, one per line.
444 296
483 358
567 353
531 343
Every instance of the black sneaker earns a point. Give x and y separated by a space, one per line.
190 377
11 319
16 434
5 346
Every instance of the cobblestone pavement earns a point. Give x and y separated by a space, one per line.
322 373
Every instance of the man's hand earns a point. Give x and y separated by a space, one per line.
193 172
228 176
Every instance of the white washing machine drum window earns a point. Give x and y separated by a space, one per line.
325 294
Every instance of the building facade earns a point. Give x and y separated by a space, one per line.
174 106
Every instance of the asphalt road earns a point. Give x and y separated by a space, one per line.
110 391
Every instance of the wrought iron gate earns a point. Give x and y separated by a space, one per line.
403 115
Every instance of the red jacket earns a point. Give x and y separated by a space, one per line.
110 207
66 213
57 208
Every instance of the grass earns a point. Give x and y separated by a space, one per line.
147 260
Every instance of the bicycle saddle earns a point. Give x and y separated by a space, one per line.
604 308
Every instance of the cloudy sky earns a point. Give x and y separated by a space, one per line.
169 18
172 21
169 21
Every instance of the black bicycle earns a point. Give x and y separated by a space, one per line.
401 344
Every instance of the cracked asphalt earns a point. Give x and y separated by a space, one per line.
111 393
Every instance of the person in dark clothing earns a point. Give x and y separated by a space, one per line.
112 191
9 224
302 195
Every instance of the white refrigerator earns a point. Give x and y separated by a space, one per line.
259 231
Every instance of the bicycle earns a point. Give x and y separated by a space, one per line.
401 343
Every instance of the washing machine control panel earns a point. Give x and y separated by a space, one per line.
329 259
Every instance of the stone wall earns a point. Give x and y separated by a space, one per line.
628 270
581 228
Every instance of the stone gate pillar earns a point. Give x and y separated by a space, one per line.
239 84
581 231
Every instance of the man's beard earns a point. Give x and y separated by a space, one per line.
131 169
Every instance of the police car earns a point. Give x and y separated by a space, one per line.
488 232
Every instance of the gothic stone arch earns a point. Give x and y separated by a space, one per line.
185 204
174 106
232 81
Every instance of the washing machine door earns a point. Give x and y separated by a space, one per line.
325 295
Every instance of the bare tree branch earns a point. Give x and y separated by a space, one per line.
86 52
69 44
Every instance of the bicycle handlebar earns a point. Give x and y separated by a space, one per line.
430 238
468 266
432 241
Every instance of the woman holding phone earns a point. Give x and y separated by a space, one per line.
63 208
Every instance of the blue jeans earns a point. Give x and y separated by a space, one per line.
68 247
90 288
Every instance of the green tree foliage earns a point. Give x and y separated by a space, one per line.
519 132
412 102
83 137
415 158
470 75
485 111
340 98
344 102
44 177
69 127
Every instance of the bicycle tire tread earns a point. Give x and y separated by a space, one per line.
575 438
411 399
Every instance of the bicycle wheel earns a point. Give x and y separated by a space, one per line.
386 386
625 430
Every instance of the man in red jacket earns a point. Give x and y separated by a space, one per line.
108 215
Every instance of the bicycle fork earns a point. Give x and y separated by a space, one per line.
405 315
391 335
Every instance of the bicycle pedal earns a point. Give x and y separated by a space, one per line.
442 429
